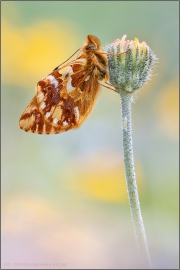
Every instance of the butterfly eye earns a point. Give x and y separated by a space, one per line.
90 47
103 73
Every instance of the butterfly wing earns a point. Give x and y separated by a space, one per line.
63 100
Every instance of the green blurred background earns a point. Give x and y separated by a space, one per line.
64 199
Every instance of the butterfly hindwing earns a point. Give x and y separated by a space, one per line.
63 100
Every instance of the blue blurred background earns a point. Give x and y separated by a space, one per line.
64 199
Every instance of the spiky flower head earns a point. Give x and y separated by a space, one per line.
132 69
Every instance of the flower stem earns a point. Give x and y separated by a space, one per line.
126 100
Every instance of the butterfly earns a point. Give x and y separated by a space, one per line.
66 96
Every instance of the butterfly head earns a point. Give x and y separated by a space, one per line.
92 43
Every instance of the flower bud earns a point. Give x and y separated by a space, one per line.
132 69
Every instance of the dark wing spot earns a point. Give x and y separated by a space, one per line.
77 80
76 67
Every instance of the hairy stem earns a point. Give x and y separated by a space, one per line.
131 180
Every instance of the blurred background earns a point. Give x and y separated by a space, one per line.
64 199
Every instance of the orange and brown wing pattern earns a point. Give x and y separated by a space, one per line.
63 100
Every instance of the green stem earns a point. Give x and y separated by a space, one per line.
131 180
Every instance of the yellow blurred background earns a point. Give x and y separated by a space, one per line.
64 199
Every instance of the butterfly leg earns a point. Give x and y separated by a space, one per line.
113 54
115 87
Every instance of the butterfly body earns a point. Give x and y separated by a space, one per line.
66 96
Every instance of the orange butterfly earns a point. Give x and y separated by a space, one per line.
66 96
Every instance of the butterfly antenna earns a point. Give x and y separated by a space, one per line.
66 60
